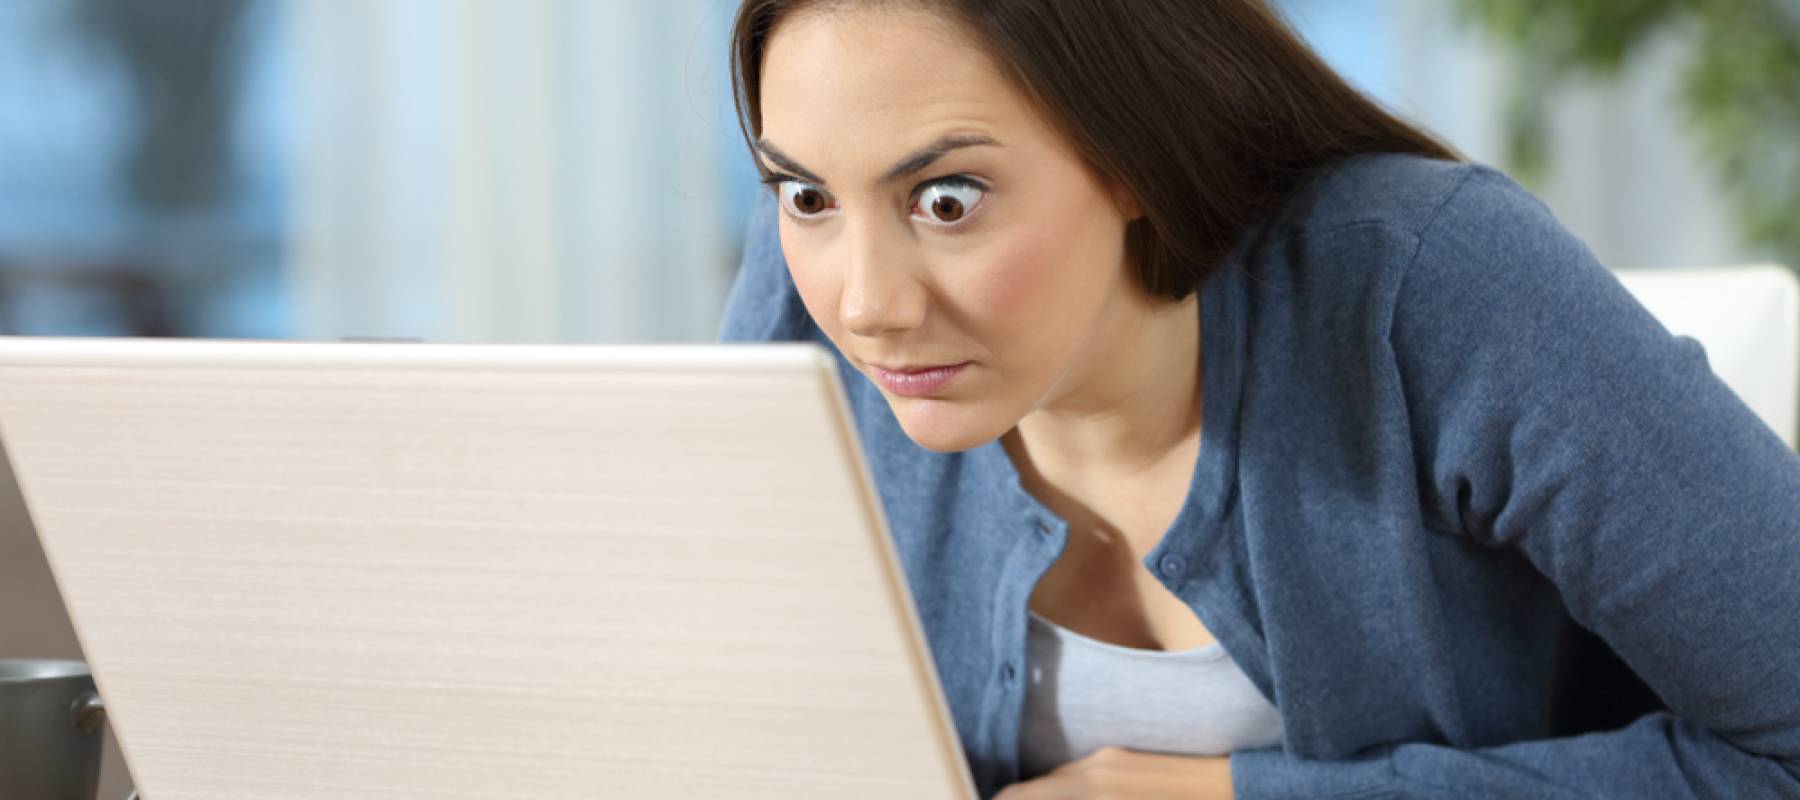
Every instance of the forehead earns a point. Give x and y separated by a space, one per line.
846 86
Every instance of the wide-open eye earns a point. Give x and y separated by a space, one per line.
804 200
948 201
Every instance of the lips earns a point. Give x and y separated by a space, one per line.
917 382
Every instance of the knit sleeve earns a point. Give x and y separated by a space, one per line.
1551 413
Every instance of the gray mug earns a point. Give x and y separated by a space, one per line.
51 726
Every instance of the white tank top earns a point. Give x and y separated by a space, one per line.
1083 694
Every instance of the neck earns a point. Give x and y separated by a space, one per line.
1129 406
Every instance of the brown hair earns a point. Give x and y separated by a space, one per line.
1209 112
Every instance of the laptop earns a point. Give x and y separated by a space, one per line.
306 570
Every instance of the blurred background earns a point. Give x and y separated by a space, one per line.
570 170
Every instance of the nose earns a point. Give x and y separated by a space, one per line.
882 294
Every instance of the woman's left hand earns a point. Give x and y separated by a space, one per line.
1120 774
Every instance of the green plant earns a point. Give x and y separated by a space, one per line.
1740 87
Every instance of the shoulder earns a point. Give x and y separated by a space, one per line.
1406 194
1338 253
1445 274
1405 231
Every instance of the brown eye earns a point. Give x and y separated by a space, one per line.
947 209
948 202
804 201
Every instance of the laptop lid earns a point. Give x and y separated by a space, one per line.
403 570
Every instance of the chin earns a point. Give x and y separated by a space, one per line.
946 426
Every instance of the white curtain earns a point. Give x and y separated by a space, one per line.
534 170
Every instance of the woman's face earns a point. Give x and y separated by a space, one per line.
942 234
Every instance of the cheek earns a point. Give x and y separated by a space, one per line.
1012 282
1046 275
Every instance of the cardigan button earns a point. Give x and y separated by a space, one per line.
1008 672
1172 566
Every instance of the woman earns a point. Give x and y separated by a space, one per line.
1236 437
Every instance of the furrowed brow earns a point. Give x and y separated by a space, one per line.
925 156
913 163
782 160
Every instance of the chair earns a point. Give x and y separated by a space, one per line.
1747 318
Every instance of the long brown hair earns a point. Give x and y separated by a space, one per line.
1209 112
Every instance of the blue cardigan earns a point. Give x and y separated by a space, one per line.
1474 522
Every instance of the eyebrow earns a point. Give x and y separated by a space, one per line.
915 162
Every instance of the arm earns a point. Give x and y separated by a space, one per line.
1551 413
